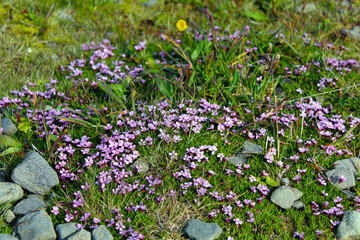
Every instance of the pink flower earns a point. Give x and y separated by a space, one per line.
55 210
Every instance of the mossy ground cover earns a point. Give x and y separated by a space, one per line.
184 102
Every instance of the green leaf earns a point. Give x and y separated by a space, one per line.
111 93
165 88
119 90
257 16
7 141
271 182
25 127
195 53
191 80
11 150
77 121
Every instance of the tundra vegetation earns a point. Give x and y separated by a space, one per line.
139 113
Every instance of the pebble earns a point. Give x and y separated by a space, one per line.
285 196
349 227
352 33
248 150
199 230
34 222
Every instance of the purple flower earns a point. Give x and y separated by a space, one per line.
252 179
55 210
300 235
338 199
238 221
342 179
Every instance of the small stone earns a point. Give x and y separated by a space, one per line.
101 233
352 33
349 227
144 165
30 204
65 230
198 230
248 150
35 225
238 160
310 7
9 216
80 235
285 196
35 174
7 237
298 204
10 192
284 182
335 175
348 169
8 127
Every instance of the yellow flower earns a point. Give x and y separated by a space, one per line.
181 25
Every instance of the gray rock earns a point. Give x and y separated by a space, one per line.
10 192
298 204
238 160
2 176
149 3
349 227
8 127
350 163
335 174
352 33
30 204
284 182
198 230
35 225
285 196
248 150
7 237
34 174
142 163
80 235
9 216
310 7
101 233
346 168
65 230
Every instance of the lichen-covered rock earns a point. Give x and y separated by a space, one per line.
35 225
349 227
285 196
30 204
8 127
101 233
35 174
346 168
198 230
10 192
248 150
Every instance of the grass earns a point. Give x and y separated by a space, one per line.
184 108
